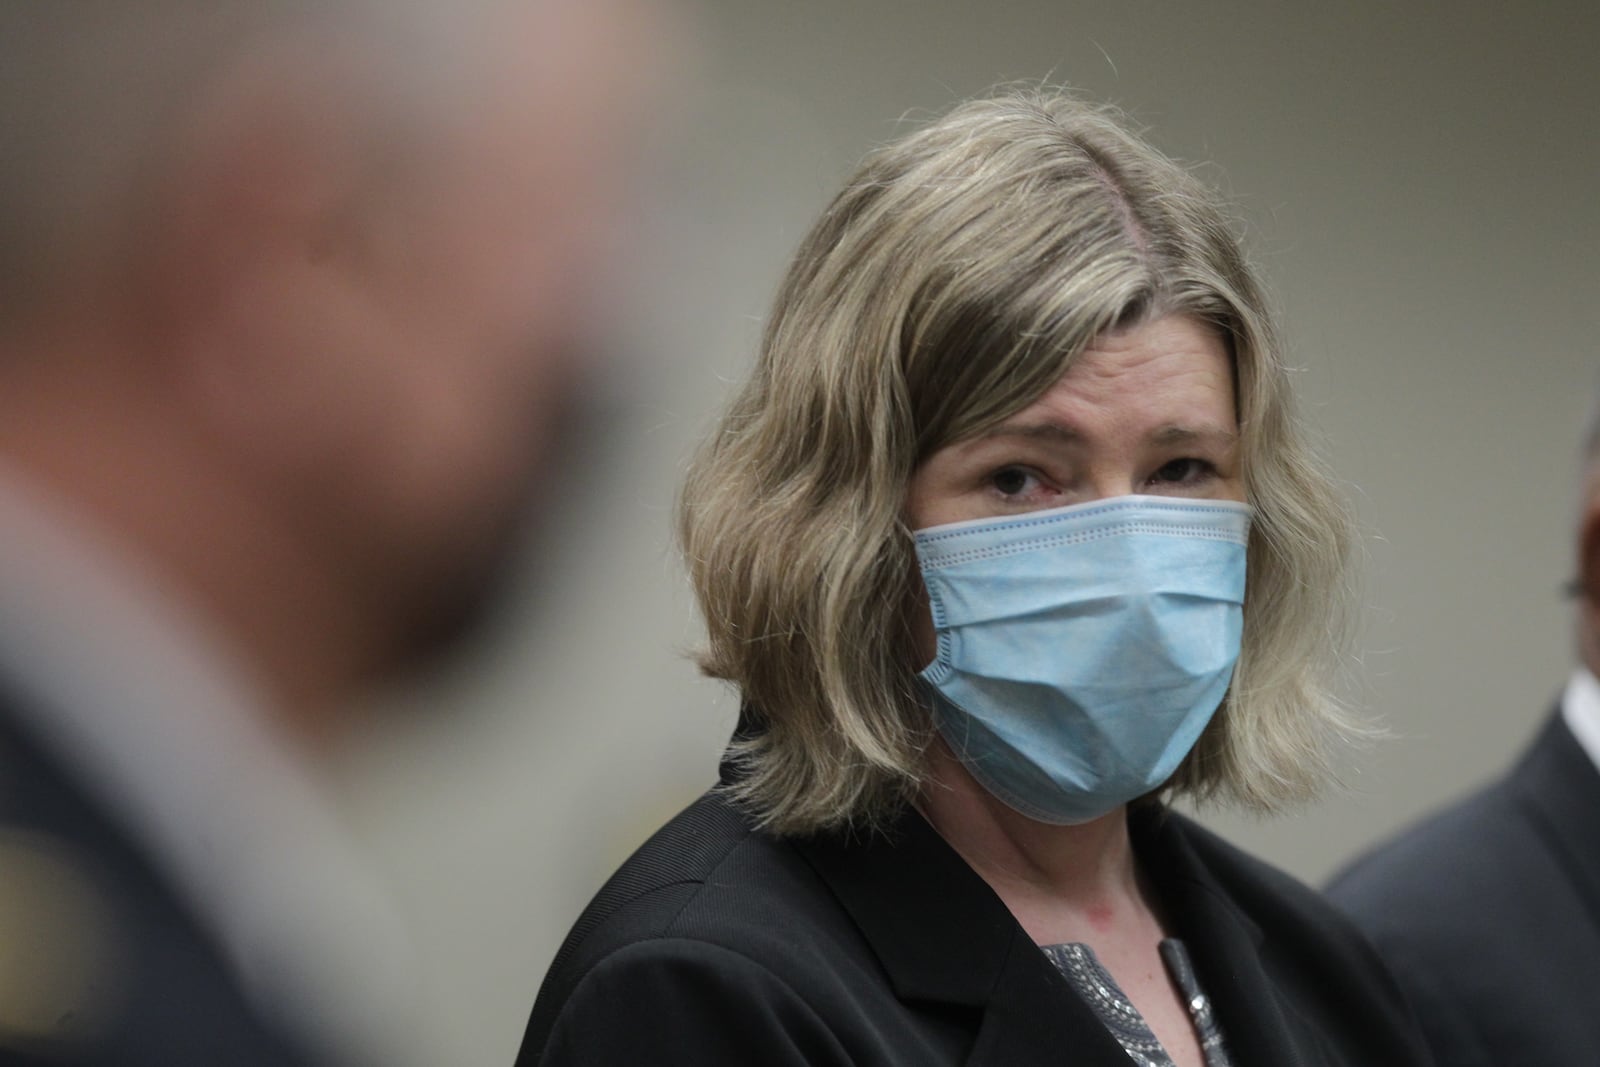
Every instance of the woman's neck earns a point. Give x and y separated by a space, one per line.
1062 883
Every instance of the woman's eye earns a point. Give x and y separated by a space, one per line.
1012 481
1181 471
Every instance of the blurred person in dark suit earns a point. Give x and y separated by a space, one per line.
289 299
1488 913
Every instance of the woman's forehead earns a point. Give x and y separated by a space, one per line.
1173 371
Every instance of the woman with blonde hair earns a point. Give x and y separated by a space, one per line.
1010 538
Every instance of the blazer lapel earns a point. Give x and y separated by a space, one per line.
1034 1017
1560 787
943 937
1226 947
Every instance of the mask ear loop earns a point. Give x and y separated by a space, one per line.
942 666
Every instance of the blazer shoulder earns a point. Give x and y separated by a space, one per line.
652 886
678 1001
707 888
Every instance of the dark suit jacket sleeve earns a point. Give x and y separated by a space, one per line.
681 1002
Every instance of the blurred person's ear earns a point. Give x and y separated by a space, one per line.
1588 578
1587 584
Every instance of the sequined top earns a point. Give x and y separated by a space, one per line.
1078 963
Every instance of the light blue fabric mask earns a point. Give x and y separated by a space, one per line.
1082 650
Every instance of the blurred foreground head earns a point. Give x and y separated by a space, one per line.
290 293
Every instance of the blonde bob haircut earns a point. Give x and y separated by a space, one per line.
955 279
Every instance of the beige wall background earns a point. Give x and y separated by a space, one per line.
1420 187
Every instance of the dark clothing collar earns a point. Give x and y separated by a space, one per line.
943 935
1559 786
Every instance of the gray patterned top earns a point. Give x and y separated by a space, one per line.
1077 962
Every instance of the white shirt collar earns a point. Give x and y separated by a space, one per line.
1580 707
123 685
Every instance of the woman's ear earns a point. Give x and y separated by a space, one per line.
1586 585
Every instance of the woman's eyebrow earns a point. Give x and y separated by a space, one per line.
1051 431
1183 435
1171 434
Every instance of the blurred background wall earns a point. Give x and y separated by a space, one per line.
1419 183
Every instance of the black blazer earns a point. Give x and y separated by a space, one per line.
137 982
1489 913
719 944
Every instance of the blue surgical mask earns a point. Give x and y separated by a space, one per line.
1083 650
